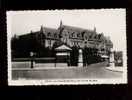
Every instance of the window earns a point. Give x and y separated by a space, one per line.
65 35
55 35
49 34
73 34
99 36
90 36
78 35
49 42
85 37
95 37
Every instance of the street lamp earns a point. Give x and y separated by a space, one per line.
31 55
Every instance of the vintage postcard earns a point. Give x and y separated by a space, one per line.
69 47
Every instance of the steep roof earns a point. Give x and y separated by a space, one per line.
28 34
51 30
77 29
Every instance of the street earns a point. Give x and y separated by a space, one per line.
92 71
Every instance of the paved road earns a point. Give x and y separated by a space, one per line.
92 71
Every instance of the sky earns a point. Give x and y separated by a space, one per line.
112 22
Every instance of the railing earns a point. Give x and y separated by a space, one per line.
35 59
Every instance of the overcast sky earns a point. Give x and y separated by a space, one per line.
112 22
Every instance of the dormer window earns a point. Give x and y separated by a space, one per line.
65 34
99 36
78 35
95 37
85 37
49 34
55 35
90 37
75 35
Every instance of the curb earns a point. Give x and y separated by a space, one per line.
114 70
44 68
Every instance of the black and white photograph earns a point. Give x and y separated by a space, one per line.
79 46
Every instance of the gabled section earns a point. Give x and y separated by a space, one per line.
63 47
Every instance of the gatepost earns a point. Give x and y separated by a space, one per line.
112 61
80 59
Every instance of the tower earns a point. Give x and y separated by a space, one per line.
31 32
42 29
61 24
60 29
42 36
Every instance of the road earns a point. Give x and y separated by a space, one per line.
91 71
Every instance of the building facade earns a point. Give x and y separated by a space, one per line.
69 35
74 36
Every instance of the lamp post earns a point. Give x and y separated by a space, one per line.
31 55
68 58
